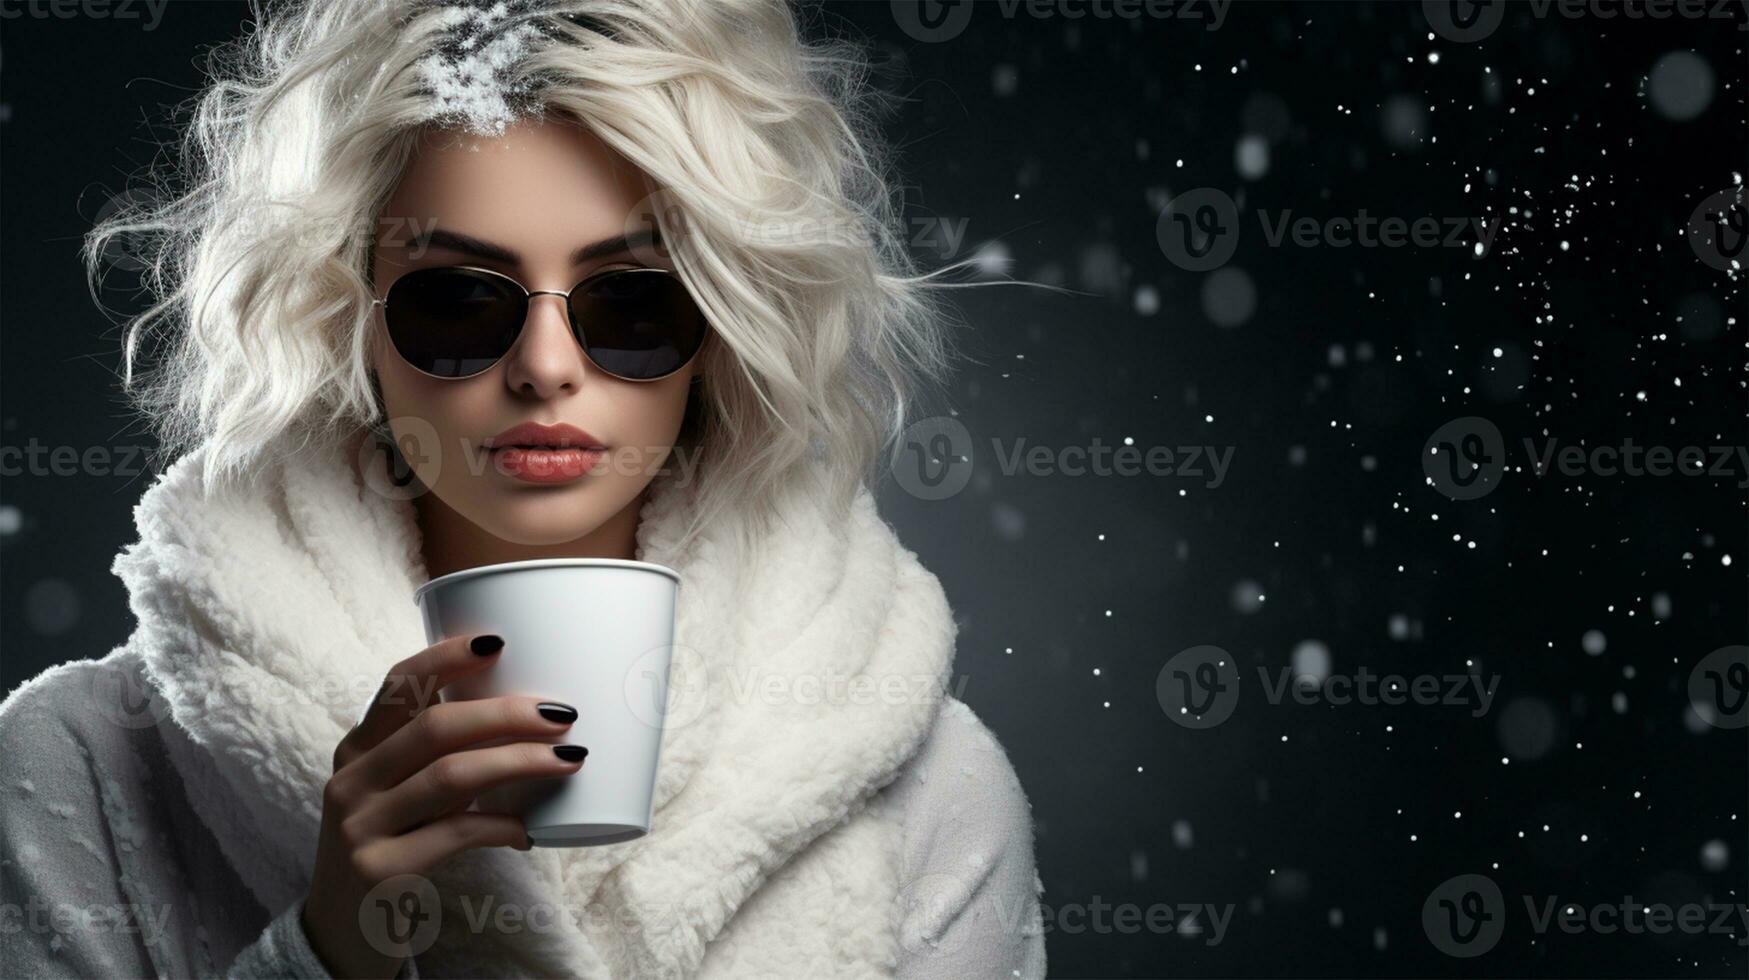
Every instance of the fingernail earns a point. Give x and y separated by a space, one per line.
570 753
487 644
554 711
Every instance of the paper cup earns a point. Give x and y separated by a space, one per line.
594 633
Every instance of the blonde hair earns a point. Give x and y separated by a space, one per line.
827 335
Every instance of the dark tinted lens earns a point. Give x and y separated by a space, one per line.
453 322
638 323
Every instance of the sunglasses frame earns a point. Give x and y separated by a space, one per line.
577 332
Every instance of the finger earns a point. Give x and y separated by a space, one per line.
412 684
456 778
422 849
445 728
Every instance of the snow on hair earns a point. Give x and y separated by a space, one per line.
775 206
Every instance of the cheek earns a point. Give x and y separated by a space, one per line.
428 413
664 406
647 418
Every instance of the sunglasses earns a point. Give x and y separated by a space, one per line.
455 322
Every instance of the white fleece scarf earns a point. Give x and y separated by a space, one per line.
262 613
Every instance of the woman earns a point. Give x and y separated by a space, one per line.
652 232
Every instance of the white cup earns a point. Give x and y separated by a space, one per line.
594 633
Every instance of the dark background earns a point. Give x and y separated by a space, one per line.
1057 142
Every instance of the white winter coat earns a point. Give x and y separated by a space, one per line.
160 806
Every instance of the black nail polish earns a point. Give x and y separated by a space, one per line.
570 753
487 644
554 711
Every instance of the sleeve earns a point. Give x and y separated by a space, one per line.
58 869
283 953
970 889
71 905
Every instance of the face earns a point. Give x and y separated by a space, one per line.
535 204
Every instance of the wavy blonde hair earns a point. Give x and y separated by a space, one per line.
259 271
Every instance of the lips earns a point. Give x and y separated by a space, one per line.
534 435
544 454
545 466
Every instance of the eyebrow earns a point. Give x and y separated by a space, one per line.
458 242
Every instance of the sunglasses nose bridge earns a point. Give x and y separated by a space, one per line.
564 304
564 313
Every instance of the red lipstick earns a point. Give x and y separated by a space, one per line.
544 454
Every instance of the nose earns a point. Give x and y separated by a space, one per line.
546 361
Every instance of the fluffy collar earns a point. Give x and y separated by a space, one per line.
268 616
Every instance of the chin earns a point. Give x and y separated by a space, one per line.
534 515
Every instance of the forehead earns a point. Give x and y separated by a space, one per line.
543 186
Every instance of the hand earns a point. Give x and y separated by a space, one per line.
403 779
